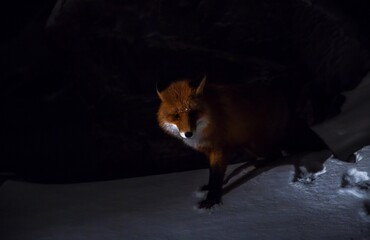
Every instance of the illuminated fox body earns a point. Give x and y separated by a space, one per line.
217 120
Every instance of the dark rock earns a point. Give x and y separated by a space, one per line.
79 97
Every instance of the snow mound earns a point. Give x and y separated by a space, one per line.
356 183
355 177
362 152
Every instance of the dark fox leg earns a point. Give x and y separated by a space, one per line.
297 170
218 163
206 186
301 139
251 160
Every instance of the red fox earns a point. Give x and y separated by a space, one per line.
217 120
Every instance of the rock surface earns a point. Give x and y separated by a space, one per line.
78 96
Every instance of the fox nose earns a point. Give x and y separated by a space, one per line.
188 134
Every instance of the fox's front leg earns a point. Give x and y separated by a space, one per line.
218 163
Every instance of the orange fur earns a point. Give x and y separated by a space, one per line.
221 119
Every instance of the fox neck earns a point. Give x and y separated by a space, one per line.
196 141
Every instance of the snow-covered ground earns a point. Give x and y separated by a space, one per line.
333 203
268 206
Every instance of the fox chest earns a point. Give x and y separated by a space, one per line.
195 142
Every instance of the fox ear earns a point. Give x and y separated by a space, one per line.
158 92
200 88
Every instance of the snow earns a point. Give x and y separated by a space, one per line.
269 206
356 182
333 203
358 176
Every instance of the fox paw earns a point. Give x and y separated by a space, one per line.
208 203
204 188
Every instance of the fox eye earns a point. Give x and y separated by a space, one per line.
176 116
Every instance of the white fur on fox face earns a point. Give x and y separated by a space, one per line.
182 134
196 140
171 128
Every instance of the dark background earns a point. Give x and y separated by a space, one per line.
78 77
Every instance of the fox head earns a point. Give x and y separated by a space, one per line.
181 113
